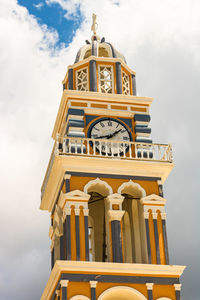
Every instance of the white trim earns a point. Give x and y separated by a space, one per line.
133 185
122 288
93 284
79 297
64 283
164 298
149 286
177 286
95 182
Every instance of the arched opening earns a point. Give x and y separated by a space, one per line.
99 190
121 293
103 52
87 54
133 223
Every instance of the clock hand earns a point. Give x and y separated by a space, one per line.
108 136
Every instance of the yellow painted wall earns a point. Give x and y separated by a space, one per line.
76 182
164 291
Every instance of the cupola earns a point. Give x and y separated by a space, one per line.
99 67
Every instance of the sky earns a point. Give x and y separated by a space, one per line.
38 40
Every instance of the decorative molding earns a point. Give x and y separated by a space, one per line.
115 199
131 185
153 199
58 293
98 182
77 195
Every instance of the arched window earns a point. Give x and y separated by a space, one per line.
133 225
99 190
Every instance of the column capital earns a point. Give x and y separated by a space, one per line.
177 286
77 211
67 176
146 215
154 215
149 286
67 211
58 293
64 283
163 216
115 215
86 212
93 284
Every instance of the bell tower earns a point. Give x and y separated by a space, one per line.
103 187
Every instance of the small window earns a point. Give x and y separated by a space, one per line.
106 79
125 84
82 79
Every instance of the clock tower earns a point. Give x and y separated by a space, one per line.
103 187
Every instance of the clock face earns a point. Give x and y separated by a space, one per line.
110 130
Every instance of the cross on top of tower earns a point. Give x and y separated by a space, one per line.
94 24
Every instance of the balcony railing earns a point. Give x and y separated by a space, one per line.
108 149
115 149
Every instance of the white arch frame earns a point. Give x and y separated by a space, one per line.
96 182
107 47
79 297
133 185
164 298
121 287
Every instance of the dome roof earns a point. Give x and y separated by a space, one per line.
99 49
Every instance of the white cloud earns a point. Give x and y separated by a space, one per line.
39 5
160 40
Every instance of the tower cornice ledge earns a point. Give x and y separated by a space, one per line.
112 269
73 163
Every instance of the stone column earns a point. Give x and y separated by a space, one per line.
93 75
77 214
146 217
163 216
70 79
118 77
115 217
58 294
67 230
150 290
64 285
86 213
133 84
154 214
93 285
178 291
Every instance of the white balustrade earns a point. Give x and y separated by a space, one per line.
115 149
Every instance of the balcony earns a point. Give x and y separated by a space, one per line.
107 149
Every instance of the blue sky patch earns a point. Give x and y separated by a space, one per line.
53 16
